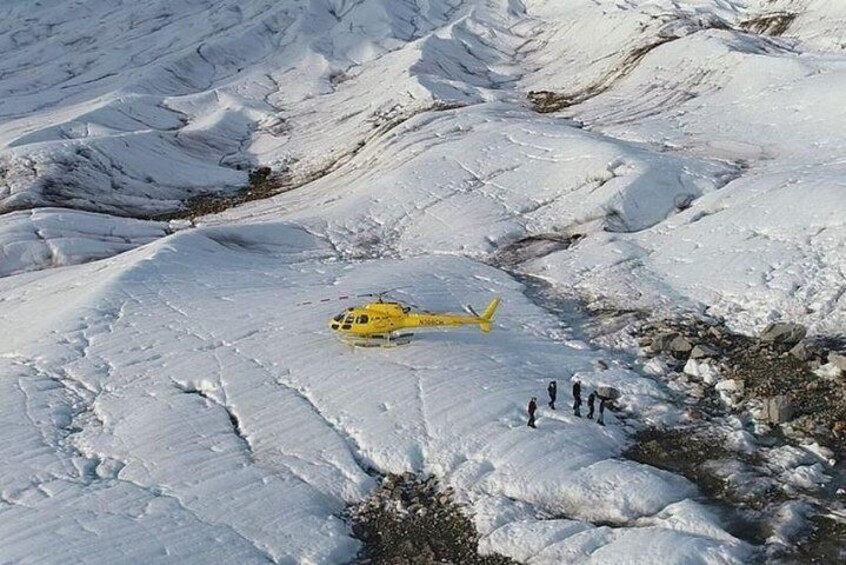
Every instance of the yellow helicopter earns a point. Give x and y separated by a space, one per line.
377 324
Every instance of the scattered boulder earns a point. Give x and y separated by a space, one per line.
679 345
696 391
731 391
730 385
800 351
828 371
607 392
695 414
715 332
783 333
777 410
661 342
702 351
655 367
838 360
702 370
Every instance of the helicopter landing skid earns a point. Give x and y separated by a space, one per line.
379 340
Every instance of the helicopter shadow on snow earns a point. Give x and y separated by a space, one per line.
452 336
498 338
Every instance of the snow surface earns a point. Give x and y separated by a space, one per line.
46 237
173 403
123 375
148 104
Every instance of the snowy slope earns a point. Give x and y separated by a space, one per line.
129 394
512 171
168 400
776 235
180 99
150 103
47 237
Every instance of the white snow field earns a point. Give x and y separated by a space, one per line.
174 401
46 237
166 398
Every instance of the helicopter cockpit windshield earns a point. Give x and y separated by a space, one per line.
343 320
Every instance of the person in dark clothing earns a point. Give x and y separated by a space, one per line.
601 419
552 389
577 399
591 401
533 405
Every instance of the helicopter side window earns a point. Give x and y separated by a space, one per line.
361 319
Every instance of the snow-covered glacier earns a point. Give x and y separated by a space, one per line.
166 396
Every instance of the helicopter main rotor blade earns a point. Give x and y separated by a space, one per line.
378 295
322 300
386 291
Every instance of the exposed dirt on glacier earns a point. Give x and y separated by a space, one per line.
410 520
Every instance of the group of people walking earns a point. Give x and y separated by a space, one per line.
552 390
